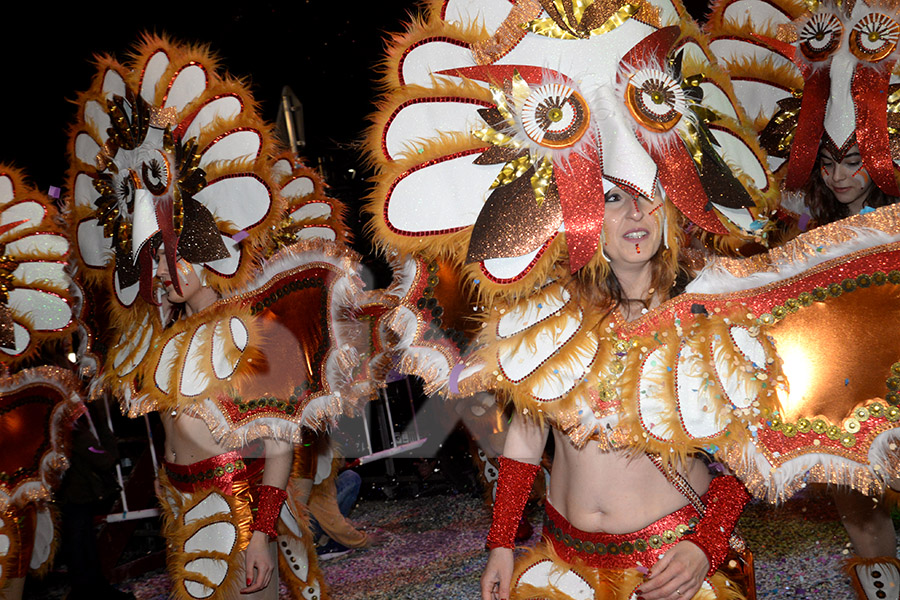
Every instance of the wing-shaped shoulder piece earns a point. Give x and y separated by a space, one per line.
166 148
310 212
434 322
36 291
830 302
266 360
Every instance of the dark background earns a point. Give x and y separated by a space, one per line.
325 50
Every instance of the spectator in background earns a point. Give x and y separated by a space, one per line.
88 489
329 496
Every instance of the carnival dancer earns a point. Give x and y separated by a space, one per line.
39 400
823 101
560 134
840 187
501 135
640 535
174 202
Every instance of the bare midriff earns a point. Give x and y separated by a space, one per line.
615 492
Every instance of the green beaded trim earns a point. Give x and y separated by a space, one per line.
288 407
851 425
821 294
846 434
669 536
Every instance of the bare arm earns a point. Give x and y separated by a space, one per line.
525 443
279 457
525 440
259 562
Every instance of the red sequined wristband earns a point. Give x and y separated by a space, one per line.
267 509
724 502
513 488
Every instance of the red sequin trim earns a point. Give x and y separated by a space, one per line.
409 172
397 110
513 488
620 560
725 501
215 472
269 508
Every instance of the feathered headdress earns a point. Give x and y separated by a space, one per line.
166 149
495 143
816 73
311 214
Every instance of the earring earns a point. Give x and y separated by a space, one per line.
602 243
665 231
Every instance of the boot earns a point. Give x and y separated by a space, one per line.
875 578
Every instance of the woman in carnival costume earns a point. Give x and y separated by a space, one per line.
174 204
551 147
38 400
818 78
583 112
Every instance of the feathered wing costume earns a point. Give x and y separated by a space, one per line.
824 75
496 120
432 325
167 150
310 212
37 403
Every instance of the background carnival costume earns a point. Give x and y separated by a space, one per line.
818 78
38 401
502 130
172 176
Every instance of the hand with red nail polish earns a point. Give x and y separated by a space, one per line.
259 563
678 575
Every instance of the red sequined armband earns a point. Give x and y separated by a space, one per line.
268 508
513 488
724 502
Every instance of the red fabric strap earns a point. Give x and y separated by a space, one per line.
810 127
513 488
870 92
724 503
269 507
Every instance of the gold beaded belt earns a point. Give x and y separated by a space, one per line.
617 550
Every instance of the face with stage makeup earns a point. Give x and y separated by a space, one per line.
190 284
632 231
847 179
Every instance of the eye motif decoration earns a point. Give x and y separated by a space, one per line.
874 37
155 174
820 36
655 99
554 115
871 39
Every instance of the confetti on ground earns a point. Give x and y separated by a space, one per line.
434 548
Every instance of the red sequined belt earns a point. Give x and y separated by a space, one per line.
618 550
219 471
